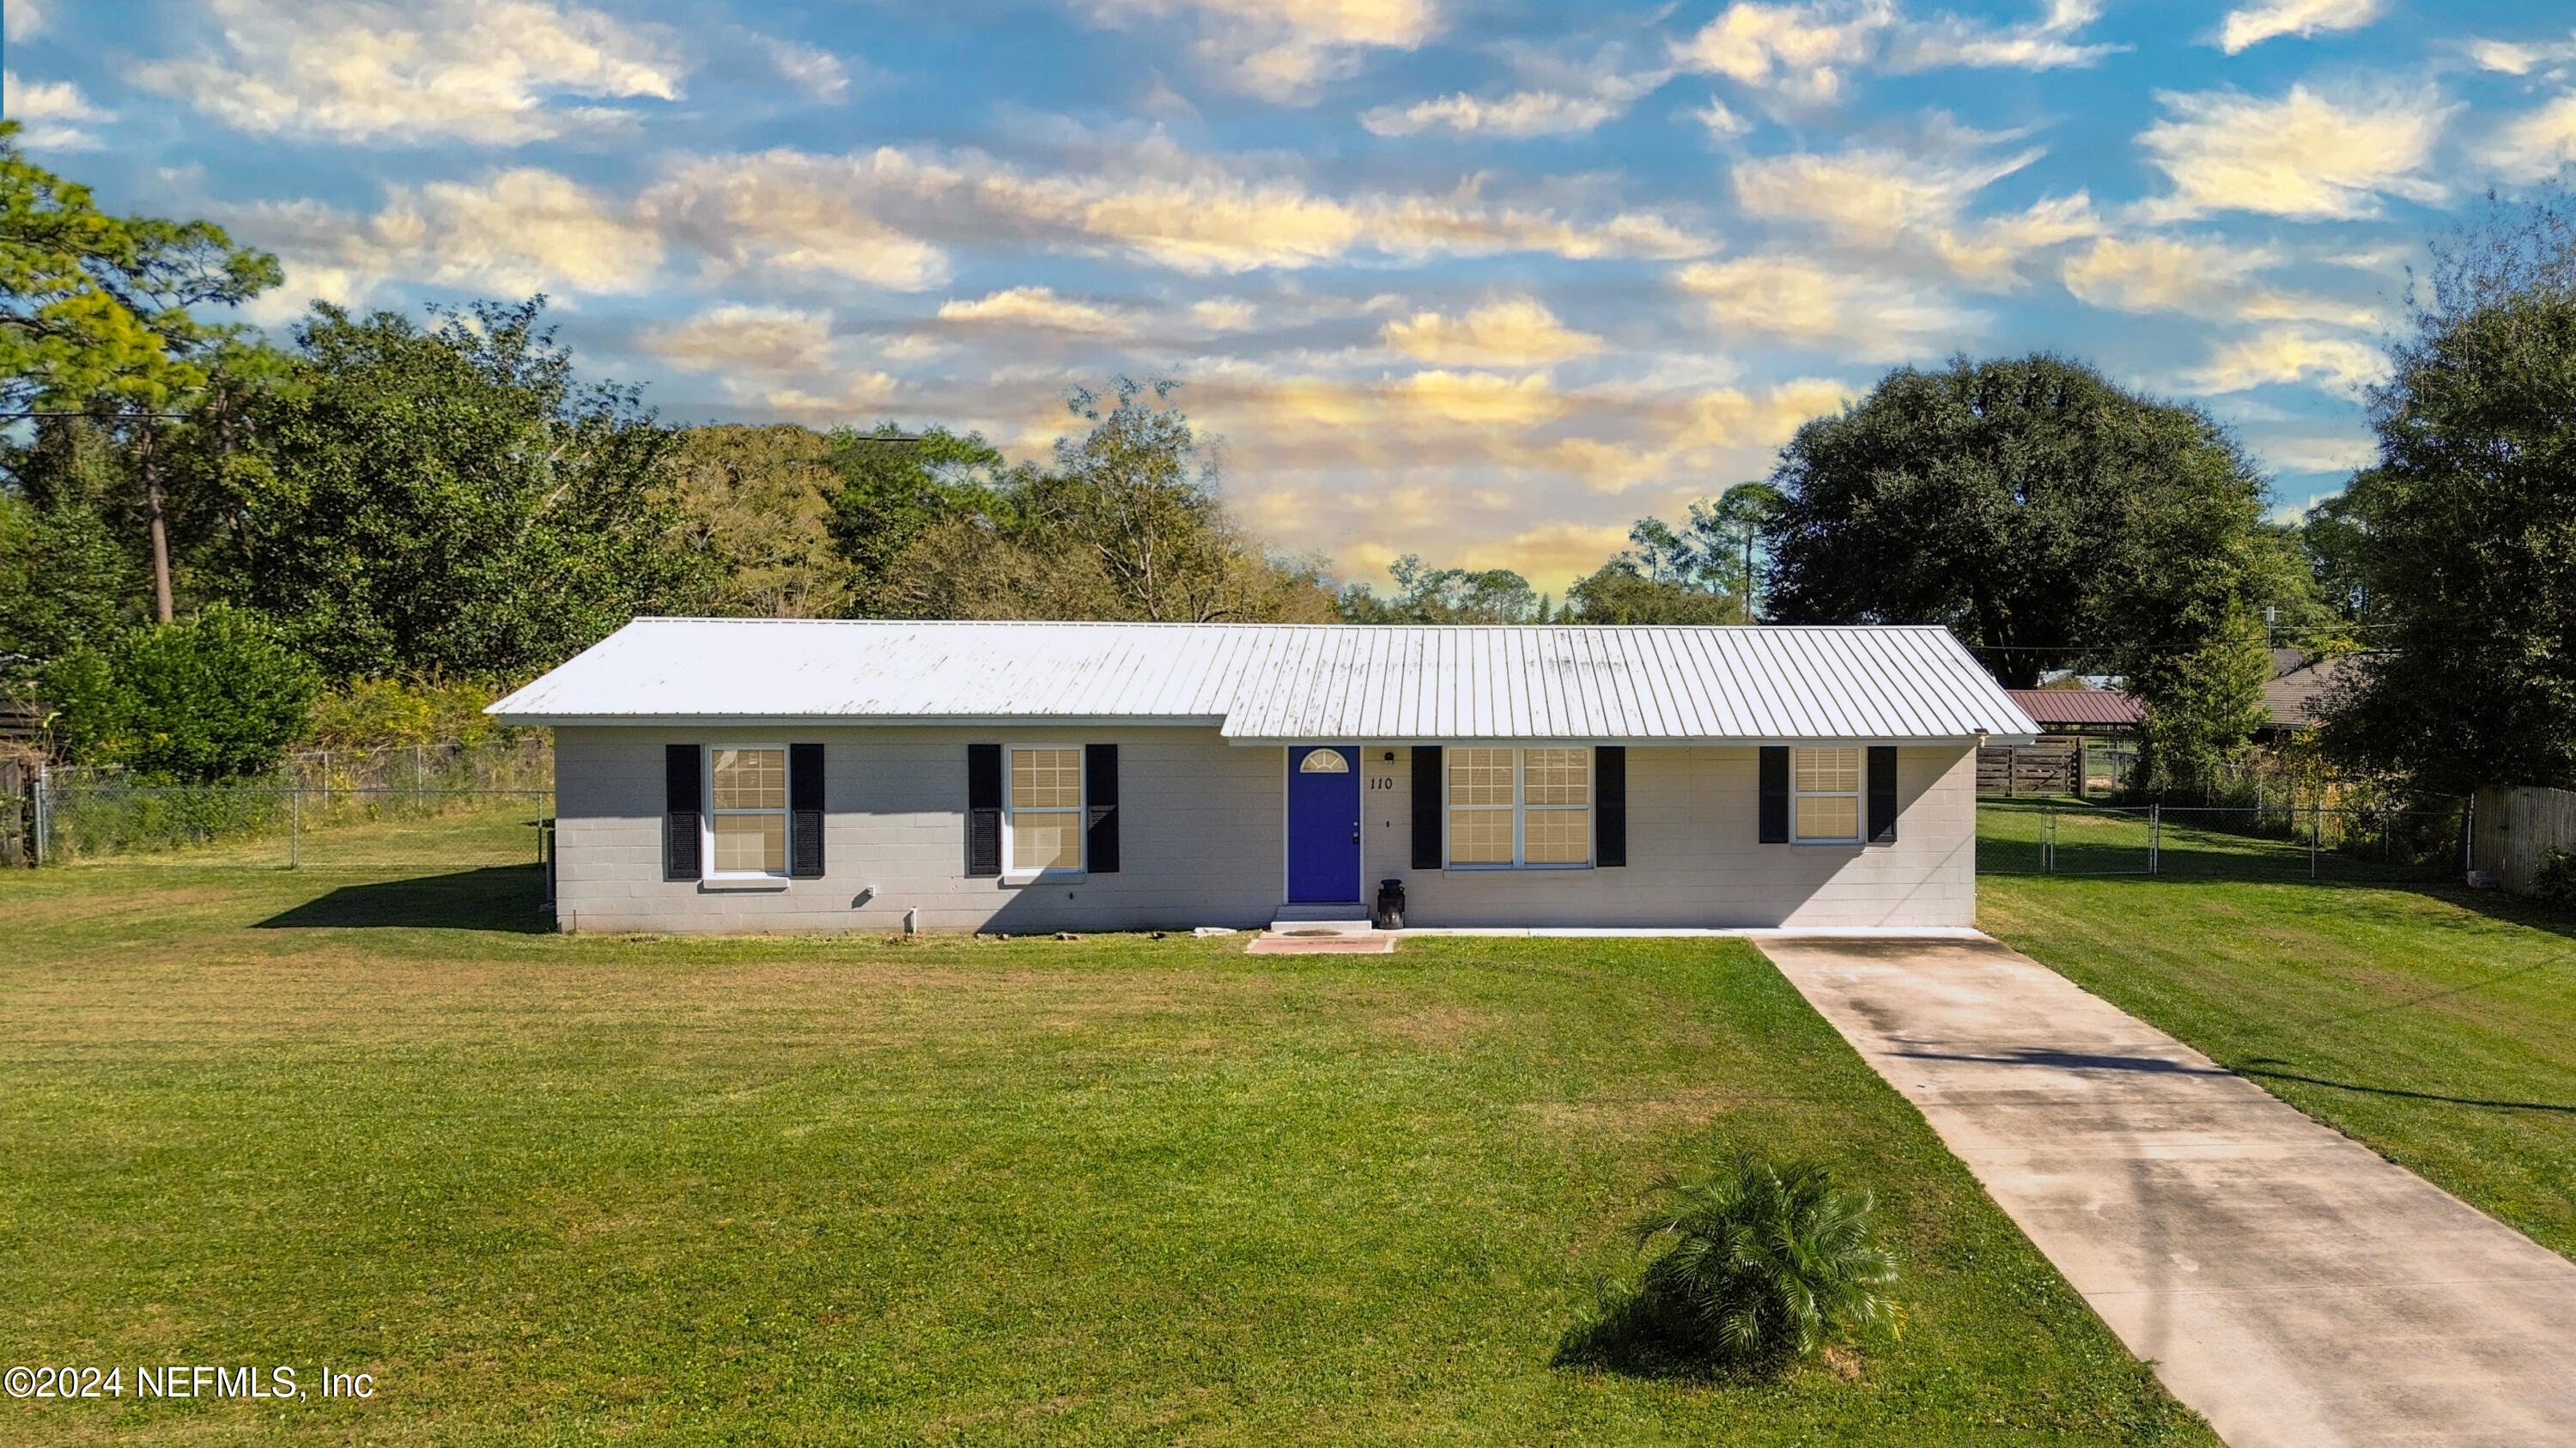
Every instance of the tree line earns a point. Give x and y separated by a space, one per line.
200 530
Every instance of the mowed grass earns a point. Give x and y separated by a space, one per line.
2435 1026
594 1190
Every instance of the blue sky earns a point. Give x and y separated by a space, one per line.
1482 281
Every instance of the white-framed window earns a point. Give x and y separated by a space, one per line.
1824 796
747 810
1519 807
1043 818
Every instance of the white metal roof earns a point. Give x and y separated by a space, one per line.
1288 682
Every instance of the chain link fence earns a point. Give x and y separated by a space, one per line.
2061 837
432 807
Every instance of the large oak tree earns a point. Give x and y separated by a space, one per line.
2051 520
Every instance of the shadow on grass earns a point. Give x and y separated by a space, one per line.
1626 1334
2260 1063
503 898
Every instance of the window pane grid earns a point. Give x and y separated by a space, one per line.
1046 825
1827 808
747 811
1558 836
1520 806
1480 777
750 779
1046 778
751 844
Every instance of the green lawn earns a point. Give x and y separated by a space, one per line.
584 1190
2437 1027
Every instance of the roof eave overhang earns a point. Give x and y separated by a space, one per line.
1744 741
858 721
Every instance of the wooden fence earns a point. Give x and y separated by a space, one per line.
17 791
2515 831
2052 766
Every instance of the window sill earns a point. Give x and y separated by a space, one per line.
1514 869
1044 877
741 884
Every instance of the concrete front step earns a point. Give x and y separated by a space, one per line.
1345 925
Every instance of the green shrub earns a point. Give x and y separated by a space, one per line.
2554 883
1757 1265
382 713
213 696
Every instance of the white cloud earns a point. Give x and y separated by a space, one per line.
1224 314
2209 279
52 110
484 71
818 73
1285 50
850 397
2519 58
1509 332
1805 51
2337 364
517 231
886 219
20 19
1866 198
800 212
2302 156
1570 98
2533 146
1179 210
771 341
1720 123
1522 113
1879 200
2317 455
1800 49
1035 307
2043 44
2251 25
1874 319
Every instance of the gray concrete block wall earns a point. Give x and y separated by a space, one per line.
1203 843
1693 855
1200 837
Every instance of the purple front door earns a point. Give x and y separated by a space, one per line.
1323 825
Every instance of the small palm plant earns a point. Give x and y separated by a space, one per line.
1761 1264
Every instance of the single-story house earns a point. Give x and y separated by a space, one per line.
2291 696
810 775
2079 711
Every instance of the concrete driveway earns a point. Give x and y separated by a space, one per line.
2293 1286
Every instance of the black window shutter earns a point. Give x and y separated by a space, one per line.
1100 789
684 794
1882 794
805 811
1426 807
1775 794
1610 806
983 809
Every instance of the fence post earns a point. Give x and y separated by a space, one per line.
295 827
44 812
2156 838
2048 842
2316 830
2469 836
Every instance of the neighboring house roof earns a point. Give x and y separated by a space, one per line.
2288 698
1265 682
2077 706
